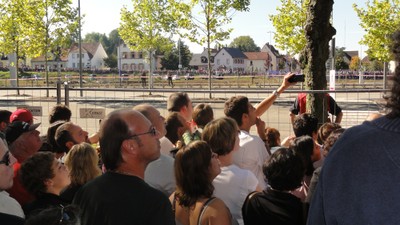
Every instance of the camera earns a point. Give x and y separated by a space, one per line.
297 78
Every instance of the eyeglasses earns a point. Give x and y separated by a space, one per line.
152 131
6 159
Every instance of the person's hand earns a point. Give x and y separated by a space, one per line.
287 140
285 82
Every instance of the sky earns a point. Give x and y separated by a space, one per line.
104 15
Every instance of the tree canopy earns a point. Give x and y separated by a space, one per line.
170 61
380 19
289 24
245 44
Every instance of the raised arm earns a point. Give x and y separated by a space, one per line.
267 102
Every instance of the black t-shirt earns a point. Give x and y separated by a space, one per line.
273 208
117 199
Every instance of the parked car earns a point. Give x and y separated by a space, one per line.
174 77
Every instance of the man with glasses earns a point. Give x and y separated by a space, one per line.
10 210
129 142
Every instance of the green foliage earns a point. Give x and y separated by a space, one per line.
289 25
144 28
340 64
245 44
355 63
170 61
111 62
380 19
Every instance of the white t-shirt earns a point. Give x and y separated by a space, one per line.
160 174
251 155
233 185
9 205
166 146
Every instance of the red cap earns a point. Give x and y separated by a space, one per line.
23 115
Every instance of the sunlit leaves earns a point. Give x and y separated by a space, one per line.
289 24
380 19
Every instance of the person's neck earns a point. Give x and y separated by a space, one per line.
226 160
130 171
245 128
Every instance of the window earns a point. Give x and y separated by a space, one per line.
218 61
73 65
140 55
73 56
132 55
228 61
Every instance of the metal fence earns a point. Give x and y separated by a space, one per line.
87 104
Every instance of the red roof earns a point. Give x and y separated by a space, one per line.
256 55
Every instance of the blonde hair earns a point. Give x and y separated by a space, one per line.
82 163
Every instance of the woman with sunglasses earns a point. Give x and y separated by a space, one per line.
10 210
193 202
44 177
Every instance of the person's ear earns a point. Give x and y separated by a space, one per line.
3 125
48 183
69 144
129 145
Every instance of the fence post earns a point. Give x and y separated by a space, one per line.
58 92
66 94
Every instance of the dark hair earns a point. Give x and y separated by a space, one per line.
176 101
221 135
35 171
305 124
304 147
63 135
331 140
172 123
202 114
5 116
325 130
60 112
393 100
51 133
235 107
284 170
272 136
55 215
113 132
192 173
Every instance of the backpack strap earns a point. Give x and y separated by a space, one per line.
203 208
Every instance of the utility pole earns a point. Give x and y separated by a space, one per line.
180 61
80 47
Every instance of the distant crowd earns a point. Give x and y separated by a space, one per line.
191 168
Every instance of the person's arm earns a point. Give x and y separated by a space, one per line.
217 214
267 102
338 118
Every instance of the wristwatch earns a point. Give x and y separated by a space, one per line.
275 93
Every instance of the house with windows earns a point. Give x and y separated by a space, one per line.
200 61
274 57
130 60
256 62
230 60
93 55
39 63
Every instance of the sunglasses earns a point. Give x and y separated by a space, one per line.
6 159
152 132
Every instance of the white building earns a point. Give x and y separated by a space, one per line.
93 55
130 60
230 59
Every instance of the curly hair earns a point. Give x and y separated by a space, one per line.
235 107
393 100
305 124
192 173
35 171
225 129
60 112
284 170
325 130
82 163
331 140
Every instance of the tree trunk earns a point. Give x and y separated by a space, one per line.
319 31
